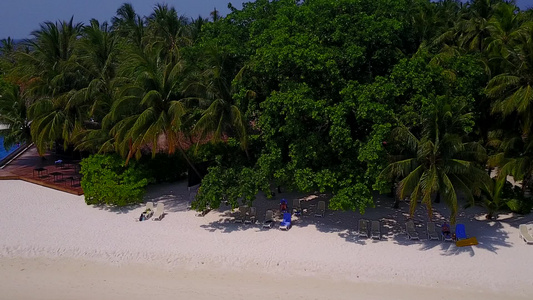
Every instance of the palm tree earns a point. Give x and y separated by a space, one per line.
504 27
98 59
51 74
166 27
215 87
150 106
514 156
129 25
442 162
13 114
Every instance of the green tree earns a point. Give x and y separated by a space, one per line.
51 75
13 114
107 180
444 163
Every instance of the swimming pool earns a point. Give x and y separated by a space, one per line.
3 152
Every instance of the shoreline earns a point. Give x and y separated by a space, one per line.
46 227
81 279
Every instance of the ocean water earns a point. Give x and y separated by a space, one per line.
3 152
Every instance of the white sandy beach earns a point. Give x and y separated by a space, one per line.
54 246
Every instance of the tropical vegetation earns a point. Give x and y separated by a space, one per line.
425 99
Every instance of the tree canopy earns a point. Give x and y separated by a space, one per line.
336 96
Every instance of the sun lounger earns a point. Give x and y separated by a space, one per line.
149 206
460 232
466 242
250 216
412 234
432 231
375 230
524 234
296 206
241 215
286 223
159 212
446 236
321 209
363 228
269 219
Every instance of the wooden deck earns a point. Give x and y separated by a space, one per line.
44 171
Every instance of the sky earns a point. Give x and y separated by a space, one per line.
18 18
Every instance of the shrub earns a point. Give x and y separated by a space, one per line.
521 206
106 180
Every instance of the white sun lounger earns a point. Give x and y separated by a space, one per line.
524 234
269 219
432 232
159 211
375 231
363 228
241 215
149 206
321 209
250 216
412 234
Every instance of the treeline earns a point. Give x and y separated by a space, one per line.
341 96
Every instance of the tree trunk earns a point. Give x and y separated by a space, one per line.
437 198
188 160
396 202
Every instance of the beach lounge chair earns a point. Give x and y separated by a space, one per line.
412 234
296 207
286 223
363 228
250 216
375 230
432 231
460 232
524 234
321 209
446 233
241 215
149 206
269 219
159 211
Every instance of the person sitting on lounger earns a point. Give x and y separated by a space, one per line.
446 230
283 205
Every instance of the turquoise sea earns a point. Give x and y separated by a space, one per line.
3 152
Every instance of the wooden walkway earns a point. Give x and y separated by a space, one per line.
44 171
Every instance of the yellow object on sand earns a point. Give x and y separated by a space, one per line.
466 242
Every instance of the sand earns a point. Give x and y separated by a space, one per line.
54 246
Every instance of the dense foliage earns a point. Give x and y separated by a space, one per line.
335 96
106 180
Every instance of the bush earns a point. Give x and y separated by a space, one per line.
521 206
106 180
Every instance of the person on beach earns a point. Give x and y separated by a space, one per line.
283 205
446 230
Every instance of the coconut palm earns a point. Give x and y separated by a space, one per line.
129 25
13 114
167 28
442 162
98 60
51 75
514 156
215 88
150 106
512 90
